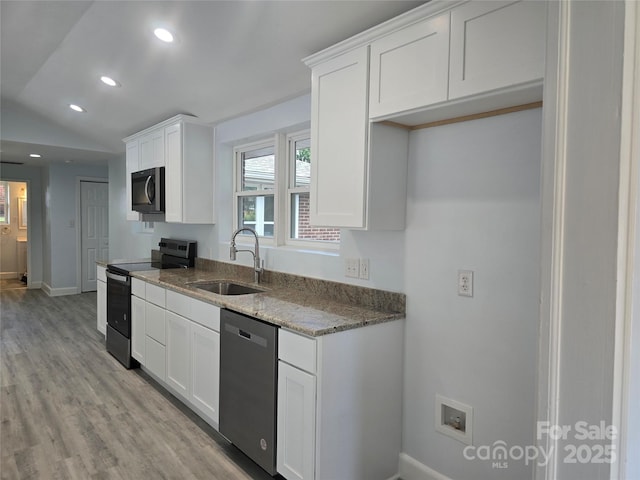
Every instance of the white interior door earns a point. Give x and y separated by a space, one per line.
94 202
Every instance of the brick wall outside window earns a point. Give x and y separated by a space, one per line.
305 231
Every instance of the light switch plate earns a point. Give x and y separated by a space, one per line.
351 267
364 269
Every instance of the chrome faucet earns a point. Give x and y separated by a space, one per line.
257 263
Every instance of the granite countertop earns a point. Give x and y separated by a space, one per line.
297 303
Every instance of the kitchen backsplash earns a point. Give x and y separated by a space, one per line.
341 292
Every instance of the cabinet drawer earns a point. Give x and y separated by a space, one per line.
155 295
297 350
101 274
154 323
138 287
178 303
198 311
205 314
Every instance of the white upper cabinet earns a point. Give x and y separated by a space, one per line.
347 166
132 165
339 140
496 45
189 172
184 146
410 67
438 61
152 149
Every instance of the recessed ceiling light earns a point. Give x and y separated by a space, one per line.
77 108
109 81
163 34
35 155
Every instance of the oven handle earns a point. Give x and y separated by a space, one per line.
118 278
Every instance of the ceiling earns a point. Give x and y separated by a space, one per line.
229 58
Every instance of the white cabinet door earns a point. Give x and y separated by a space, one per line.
152 150
178 358
173 173
296 423
155 359
189 182
205 370
101 305
339 125
132 165
137 328
496 45
409 68
154 322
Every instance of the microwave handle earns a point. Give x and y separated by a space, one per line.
146 189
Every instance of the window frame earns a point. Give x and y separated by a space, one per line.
291 189
238 192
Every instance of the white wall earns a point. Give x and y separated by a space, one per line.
33 177
61 236
473 204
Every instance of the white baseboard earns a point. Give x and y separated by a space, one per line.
9 275
411 469
35 285
58 292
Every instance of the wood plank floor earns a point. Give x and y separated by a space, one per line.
69 410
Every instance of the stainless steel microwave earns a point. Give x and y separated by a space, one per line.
147 190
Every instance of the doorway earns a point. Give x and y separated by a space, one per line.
13 235
94 230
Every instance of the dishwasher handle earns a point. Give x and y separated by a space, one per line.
252 337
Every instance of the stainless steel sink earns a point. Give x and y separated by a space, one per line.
225 288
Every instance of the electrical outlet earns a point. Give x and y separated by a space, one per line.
364 269
351 267
465 283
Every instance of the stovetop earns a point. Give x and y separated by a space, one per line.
126 268
173 254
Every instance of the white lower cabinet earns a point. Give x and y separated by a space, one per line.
155 358
101 305
296 422
155 330
340 403
178 358
176 338
137 328
205 371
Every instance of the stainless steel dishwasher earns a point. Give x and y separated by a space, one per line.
248 383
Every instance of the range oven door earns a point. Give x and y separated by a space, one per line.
119 303
119 318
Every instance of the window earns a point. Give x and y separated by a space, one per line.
255 184
272 180
4 203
